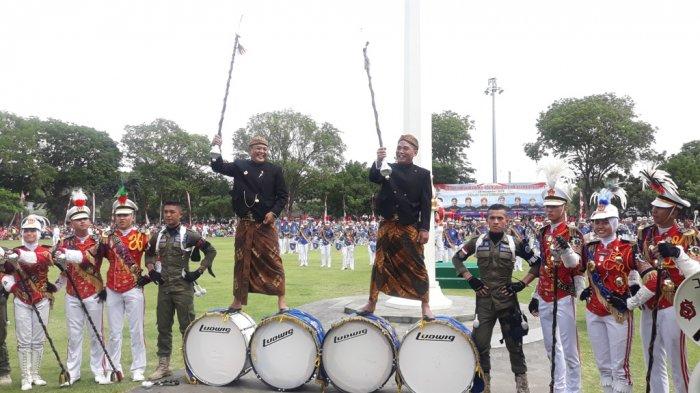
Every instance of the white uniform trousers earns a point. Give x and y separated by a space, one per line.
371 255
669 346
349 257
567 371
325 255
130 303
439 251
303 254
611 342
30 335
281 245
77 322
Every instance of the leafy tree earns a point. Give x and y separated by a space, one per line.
595 134
350 185
46 159
451 139
166 162
9 204
684 168
303 149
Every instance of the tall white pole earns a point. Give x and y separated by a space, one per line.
418 123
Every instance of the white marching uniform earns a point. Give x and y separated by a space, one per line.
567 370
349 257
371 254
440 244
303 254
325 254
77 322
669 344
132 305
611 342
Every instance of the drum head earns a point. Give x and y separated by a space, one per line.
687 307
218 367
283 353
357 356
436 358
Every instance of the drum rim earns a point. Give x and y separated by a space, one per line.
421 324
190 375
298 321
382 330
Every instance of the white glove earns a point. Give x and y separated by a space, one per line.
28 257
687 265
569 257
73 256
642 296
2 253
8 281
579 285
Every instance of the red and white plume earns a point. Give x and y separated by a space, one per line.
658 180
78 197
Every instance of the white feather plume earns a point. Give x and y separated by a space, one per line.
610 191
78 195
555 171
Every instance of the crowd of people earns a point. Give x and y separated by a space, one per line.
614 265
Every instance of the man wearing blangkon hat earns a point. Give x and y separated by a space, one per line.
258 196
404 202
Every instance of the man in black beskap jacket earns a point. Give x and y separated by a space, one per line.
258 196
404 202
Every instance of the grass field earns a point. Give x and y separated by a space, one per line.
304 285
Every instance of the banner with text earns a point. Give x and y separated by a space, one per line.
472 200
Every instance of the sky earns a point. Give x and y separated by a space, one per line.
108 64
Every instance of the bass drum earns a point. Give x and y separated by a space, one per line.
359 353
687 306
285 349
230 333
439 356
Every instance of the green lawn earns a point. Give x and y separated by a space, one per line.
304 285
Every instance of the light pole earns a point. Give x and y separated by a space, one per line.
492 89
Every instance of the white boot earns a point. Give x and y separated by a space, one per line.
37 354
25 360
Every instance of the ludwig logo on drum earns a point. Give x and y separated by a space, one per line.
434 337
214 329
348 336
278 337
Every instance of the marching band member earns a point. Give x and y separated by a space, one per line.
663 243
327 237
167 258
372 242
439 239
259 194
609 260
404 201
305 235
124 250
349 248
83 254
560 245
30 286
5 379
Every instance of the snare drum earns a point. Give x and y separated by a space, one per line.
359 353
439 356
230 333
285 349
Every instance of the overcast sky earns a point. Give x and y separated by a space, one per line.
107 64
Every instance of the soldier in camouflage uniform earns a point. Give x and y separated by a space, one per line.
496 298
167 260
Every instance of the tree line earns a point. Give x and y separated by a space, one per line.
43 160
